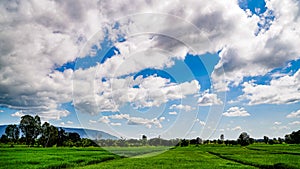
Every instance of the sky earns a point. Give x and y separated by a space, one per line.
166 69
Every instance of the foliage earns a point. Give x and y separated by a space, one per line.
30 127
293 138
244 139
12 132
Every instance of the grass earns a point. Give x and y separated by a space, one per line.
187 157
52 157
204 156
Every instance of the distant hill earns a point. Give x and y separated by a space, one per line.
84 133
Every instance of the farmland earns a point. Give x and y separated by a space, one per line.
203 156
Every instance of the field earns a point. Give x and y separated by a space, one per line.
204 156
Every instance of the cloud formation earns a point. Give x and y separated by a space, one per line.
209 99
37 37
132 120
236 112
283 90
294 114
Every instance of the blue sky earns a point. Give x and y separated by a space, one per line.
171 71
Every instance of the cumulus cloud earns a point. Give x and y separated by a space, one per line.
133 120
36 38
69 122
115 124
277 123
140 92
202 123
209 99
284 90
236 112
294 123
92 121
294 114
181 107
237 128
1 111
104 119
39 36
173 113
18 114
272 47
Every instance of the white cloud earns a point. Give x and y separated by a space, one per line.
173 113
36 38
133 120
222 130
294 114
209 99
92 121
277 123
115 124
283 90
63 123
280 128
104 119
236 112
237 128
271 48
181 107
69 122
294 123
161 119
55 31
18 114
202 123
113 93
1 111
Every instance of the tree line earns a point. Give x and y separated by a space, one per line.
34 133
244 139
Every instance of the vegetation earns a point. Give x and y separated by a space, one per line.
244 152
46 135
50 158
203 156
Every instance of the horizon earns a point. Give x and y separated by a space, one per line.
147 68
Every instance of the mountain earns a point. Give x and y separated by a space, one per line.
91 134
84 133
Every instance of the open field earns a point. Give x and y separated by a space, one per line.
204 156
52 157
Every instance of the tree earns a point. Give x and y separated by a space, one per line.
244 139
12 132
222 137
221 141
293 138
266 139
4 139
49 135
30 128
62 137
74 137
144 139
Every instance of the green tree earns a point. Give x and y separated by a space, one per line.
293 138
222 137
144 140
49 135
62 137
30 127
12 132
266 139
244 139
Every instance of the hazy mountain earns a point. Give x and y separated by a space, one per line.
84 133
